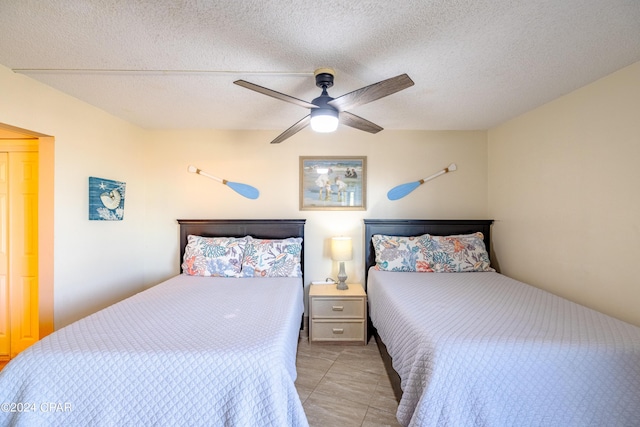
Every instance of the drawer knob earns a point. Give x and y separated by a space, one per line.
338 308
338 330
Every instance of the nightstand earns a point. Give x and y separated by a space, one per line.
338 316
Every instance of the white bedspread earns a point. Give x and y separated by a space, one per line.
191 351
481 349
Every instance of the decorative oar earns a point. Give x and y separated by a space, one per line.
243 189
403 189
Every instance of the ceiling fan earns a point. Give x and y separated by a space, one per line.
325 110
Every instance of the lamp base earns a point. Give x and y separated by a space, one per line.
342 277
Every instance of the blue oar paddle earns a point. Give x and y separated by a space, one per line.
403 189
243 189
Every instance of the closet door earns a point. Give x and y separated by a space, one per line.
18 252
23 249
5 324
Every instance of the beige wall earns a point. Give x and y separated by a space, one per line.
564 189
561 182
393 157
95 263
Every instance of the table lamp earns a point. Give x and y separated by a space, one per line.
341 251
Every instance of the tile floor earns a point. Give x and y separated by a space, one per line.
344 385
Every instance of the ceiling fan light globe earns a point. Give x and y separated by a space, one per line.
324 120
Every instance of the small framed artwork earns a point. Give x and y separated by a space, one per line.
333 183
106 199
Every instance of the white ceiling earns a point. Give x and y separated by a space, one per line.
475 63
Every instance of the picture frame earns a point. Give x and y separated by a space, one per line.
336 183
106 199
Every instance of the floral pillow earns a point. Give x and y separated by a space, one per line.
213 256
400 253
456 254
272 258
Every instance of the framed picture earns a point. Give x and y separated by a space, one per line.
333 183
106 199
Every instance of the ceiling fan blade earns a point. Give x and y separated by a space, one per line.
293 130
274 94
372 92
348 119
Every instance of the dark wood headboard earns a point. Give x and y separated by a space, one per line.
258 228
416 227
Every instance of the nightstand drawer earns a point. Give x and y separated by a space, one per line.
337 307
337 331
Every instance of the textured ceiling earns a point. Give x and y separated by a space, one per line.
475 63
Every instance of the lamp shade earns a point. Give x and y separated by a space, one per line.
341 248
324 119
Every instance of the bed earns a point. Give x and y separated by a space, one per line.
193 350
480 349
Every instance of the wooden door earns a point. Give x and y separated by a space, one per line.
5 323
18 251
23 249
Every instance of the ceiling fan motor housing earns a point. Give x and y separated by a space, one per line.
324 80
324 77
